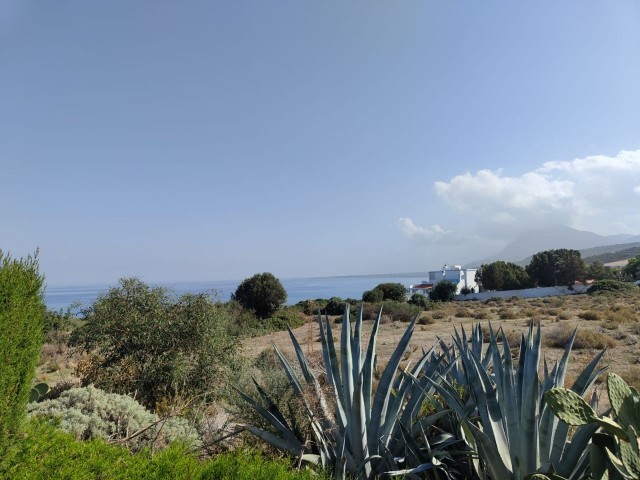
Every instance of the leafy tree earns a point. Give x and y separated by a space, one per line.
143 340
21 323
633 268
598 271
556 267
335 306
396 292
443 291
502 276
420 300
262 293
373 296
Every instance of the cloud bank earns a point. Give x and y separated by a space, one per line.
597 193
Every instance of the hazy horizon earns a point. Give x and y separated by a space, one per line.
211 141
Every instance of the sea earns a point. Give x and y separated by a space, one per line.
298 289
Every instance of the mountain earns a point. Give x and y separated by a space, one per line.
524 246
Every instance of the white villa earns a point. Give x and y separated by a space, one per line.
462 277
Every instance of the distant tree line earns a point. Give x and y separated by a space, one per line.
549 268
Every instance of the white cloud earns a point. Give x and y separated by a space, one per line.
426 235
593 193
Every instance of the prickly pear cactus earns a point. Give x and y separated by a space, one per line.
570 407
614 452
625 401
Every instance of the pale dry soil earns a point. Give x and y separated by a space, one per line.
616 323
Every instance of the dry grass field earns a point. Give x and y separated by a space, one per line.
603 321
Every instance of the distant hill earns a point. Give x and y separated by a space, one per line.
612 253
523 247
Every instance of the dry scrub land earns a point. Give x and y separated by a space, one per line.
603 321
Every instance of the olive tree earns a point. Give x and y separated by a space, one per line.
145 341
263 293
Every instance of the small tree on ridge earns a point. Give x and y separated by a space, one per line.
262 293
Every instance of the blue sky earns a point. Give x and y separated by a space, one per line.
213 140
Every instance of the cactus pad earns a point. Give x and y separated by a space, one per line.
570 407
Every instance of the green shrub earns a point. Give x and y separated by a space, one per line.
21 325
612 286
395 292
335 306
421 301
46 452
287 317
90 413
142 340
443 291
263 293
400 311
311 307
373 296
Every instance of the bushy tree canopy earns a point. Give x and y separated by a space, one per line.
633 268
143 340
443 291
502 276
396 292
556 267
262 293
373 296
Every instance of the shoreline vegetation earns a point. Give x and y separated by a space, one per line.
148 383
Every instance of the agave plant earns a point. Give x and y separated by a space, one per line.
512 428
615 452
357 429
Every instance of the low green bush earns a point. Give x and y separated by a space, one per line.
44 451
287 317
612 286
421 301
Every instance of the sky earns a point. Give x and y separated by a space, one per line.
191 140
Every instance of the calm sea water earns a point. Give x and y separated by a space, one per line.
297 289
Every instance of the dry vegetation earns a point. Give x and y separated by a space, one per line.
602 321
613 323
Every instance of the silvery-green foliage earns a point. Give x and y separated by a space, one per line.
358 429
512 428
89 412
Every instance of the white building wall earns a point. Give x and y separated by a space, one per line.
462 277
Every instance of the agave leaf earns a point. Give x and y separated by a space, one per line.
331 367
529 446
271 406
346 363
291 375
491 454
273 420
304 366
369 366
383 392
294 448
356 347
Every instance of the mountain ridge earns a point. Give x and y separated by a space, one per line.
523 247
